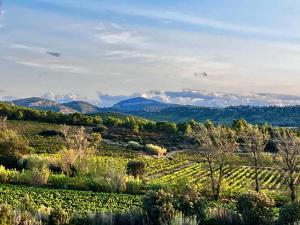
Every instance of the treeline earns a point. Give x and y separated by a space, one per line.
135 124
21 113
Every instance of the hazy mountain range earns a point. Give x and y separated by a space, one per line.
156 110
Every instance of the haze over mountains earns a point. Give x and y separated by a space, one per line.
159 111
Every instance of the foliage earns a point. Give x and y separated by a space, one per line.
224 216
255 208
39 176
136 168
290 214
135 145
12 147
70 201
58 217
159 207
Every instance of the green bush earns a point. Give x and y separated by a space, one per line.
58 217
256 208
159 207
6 217
135 145
290 214
136 168
134 187
12 148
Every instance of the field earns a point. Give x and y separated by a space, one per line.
71 201
95 191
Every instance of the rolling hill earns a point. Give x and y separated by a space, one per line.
159 111
81 106
43 104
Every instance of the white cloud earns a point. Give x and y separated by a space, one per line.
52 65
114 34
29 48
208 99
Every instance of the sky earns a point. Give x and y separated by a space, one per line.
109 50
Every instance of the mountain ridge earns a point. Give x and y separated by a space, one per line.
159 111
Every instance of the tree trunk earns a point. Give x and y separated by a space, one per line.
256 177
219 182
292 187
211 171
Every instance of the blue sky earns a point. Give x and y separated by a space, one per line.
120 48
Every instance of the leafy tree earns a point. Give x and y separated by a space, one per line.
240 125
136 168
216 145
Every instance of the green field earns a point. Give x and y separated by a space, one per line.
71 201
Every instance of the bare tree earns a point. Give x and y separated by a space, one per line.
288 145
216 144
255 141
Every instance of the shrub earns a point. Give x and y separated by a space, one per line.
255 208
12 148
290 214
105 218
6 217
159 207
39 176
156 150
135 145
134 187
58 217
136 168
223 216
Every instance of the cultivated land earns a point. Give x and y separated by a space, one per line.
112 167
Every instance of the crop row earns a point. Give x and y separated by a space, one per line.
71 201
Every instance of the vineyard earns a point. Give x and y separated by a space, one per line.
236 177
71 201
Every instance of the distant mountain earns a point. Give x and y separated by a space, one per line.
140 104
43 104
150 109
81 106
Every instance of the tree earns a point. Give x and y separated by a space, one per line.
216 144
136 168
255 141
288 145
